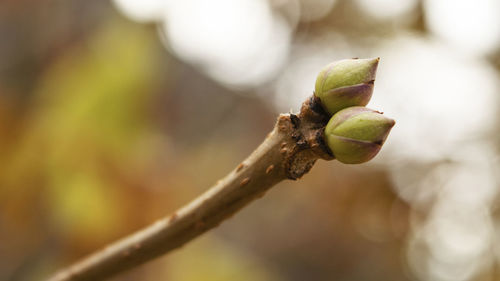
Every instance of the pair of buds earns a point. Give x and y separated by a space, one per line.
354 134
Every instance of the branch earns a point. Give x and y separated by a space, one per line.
288 152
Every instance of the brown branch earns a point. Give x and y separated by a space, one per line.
288 152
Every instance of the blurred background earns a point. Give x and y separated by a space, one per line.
116 113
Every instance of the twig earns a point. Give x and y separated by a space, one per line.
288 152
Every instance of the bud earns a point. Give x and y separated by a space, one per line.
346 83
356 134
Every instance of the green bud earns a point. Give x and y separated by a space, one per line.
356 134
346 83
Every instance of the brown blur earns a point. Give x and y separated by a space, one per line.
105 127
